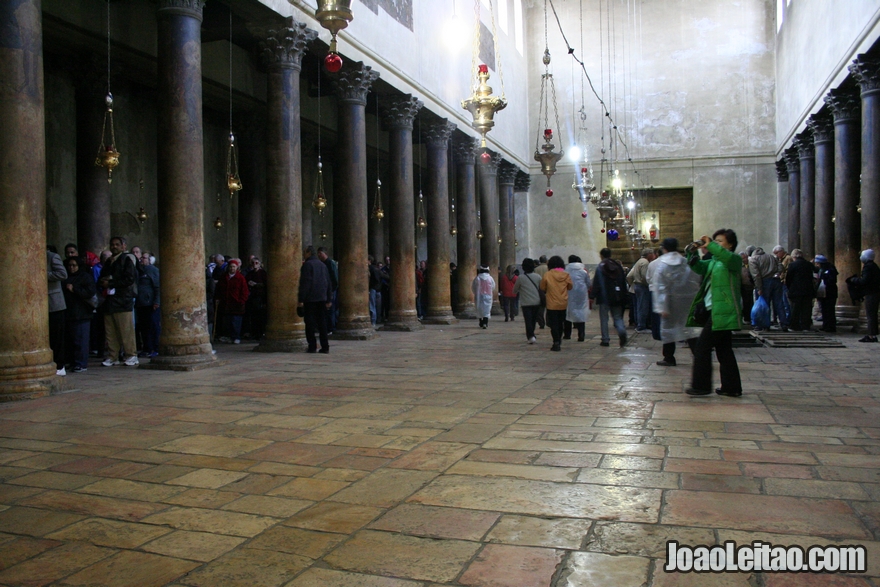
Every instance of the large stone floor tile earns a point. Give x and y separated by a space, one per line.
644 450
13 549
198 546
590 569
700 410
219 522
329 516
316 577
436 522
111 533
643 539
407 557
134 490
276 507
501 565
562 533
558 474
53 564
93 505
385 488
131 569
34 522
218 446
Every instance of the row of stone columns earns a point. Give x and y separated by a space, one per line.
832 173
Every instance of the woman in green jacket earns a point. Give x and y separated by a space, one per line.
719 298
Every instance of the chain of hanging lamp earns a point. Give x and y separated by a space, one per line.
481 103
108 156
378 213
546 155
420 221
319 202
233 180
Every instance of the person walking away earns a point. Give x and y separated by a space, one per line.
315 298
827 292
609 291
118 282
508 297
766 271
556 283
747 289
527 287
540 270
801 290
869 283
483 286
673 287
375 290
81 300
719 296
578 304
232 295
637 280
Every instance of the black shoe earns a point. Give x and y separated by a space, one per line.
665 363
720 391
623 341
325 351
507 319
581 339
604 344
311 350
556 347
867 338
692 391
566 338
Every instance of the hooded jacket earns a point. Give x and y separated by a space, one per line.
762 266
721 276
556 284
673 287
610 284
577 297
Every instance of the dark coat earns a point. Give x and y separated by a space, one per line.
119 275
314 282
828 276
148 286
799 279
77 300
610 279
870 279
232 294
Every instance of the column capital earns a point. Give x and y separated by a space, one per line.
821 124
792 159
400 111
464 150
781 171
803 142
507 173
490 166
193 8
283 46
523 182
352 83
866 71
437 134
845 104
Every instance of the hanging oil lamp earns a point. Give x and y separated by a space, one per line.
653 231
547 156
452 230
378 213
319 202
233 181
142 215
333 15
108 156
218 223
482 104
480 234
499 240
323 235
421 222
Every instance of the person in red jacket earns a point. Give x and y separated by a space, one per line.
231 296
508 298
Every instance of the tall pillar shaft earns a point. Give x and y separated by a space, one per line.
252 197
521 186
807 159
27 369
399 115
439 309
867 74
464 151
350 208
822 126
846 108
506 179
283 50
489 248
92 187
792 163
184 342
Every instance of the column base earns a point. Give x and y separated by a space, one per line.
357 329
467 312
290 345
22 379
445 317
184 362
402 321
848 317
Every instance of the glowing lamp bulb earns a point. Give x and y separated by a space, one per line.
574 154
549 193
332 62
617 183
631 205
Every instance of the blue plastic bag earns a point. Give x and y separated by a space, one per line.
761 313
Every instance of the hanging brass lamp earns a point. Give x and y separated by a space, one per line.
108 156
482 104
319 202
378 213
333 15
218 223
421 222
233 181
547 156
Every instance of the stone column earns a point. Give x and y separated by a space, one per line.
92 187
489 250
782 201
282 51
506 181
27 369
464 152
398 116
351 209
521 186
807 158
793 164
846 107
867 73
822 127
439 310
252 197
184 343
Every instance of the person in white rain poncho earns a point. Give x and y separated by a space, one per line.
483 287
673 287
578 307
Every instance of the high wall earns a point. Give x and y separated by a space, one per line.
692 93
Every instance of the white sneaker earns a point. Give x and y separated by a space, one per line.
225 339
236 341
132 361
533 340
62 372
110 363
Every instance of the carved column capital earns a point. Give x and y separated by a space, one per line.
792 159
193 8
464 150
437 134
803 142
507 173
781 171
352 83
400 111
283 47
490 166
821 125
866 71
523 182
845 104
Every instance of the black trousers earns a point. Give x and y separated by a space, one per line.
720 340
669 349
57 322
872 303
541 316
829 318
580 326
315 317
530 316
555 318
801 312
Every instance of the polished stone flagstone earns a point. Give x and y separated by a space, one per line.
451 456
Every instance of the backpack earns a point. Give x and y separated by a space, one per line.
615 290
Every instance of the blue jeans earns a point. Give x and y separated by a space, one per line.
617 315
235 325
375 305
643 306
774 295
79 335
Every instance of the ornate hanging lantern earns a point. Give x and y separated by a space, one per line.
480 234
548 158
233 181
452 230
378 213
482 104
218 223
108 156
421 222
141 215
333 15
319 202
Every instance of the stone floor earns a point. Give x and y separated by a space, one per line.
451 456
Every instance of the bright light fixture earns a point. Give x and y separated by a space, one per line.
631 204
574 153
